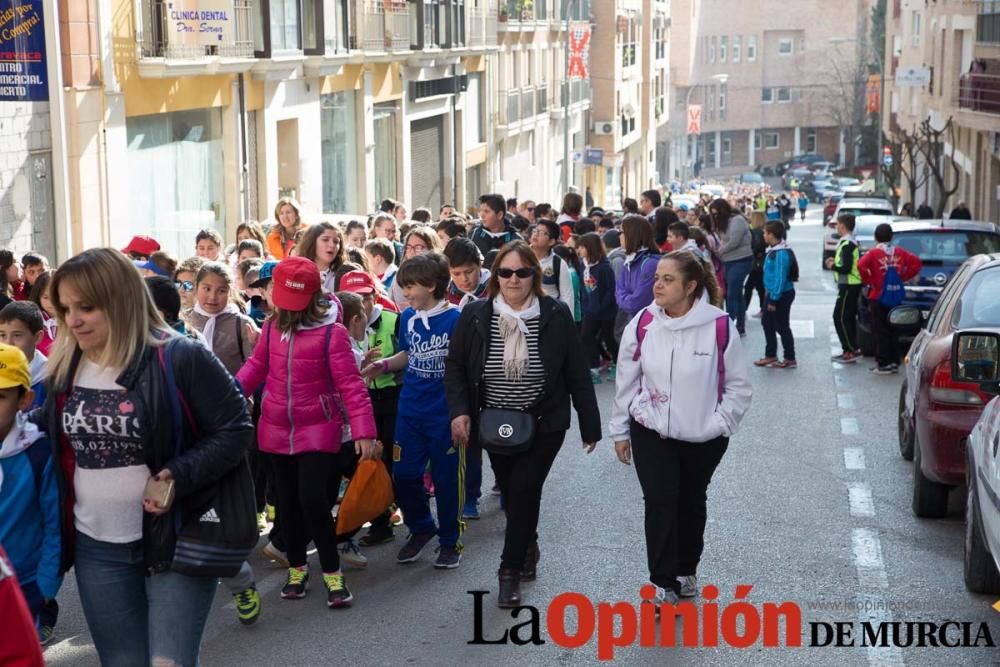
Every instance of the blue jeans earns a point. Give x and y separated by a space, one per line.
134 618
736 275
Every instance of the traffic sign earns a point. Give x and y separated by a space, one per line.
694 119
887 156
593 156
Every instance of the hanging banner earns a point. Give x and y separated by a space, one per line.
199 22
23 75
873 103
694 119
579 50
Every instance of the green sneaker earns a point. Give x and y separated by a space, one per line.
297 584
45 634
261 522
269 512
337 594
248 605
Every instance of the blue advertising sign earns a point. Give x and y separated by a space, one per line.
594 156
23 75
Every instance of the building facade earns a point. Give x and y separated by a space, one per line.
765 93
943 63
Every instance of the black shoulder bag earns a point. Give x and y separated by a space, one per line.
506 431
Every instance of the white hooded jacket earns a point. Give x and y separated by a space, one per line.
673 387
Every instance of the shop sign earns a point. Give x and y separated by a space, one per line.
199 22
23 75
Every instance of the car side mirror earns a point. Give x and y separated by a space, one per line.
975 357
906 317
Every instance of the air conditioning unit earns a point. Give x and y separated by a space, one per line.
604 127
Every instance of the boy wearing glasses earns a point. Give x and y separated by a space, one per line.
423 425
556 279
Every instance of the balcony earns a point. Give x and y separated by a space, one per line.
508 107
980 93
170 46
517 11
482 27
388 26
988 22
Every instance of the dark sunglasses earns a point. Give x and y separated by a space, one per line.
520 273
185 286
530 209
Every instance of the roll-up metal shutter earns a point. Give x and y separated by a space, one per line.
427 163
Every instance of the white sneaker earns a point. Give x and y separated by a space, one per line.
689 586
664 596
350 554
274 553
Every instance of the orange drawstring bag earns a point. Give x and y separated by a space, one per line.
369 493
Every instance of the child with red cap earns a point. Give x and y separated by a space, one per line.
305 361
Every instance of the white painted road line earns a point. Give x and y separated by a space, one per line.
867 551
838 379
854 458
860 498
803 328
845 401
873 608
849 426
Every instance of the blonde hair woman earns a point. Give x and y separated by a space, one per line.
288 221
112 429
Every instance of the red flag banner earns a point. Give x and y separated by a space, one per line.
579 50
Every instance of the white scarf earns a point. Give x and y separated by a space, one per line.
495 235
586 271
50 325
209 329
514 328
781 246
21 436
426 315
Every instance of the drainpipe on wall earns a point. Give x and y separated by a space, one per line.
244 160
63 236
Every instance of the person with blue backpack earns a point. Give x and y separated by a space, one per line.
682 389
781 271
884 271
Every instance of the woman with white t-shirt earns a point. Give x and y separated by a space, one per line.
109 418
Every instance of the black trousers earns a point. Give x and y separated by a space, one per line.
520 478
674 476
755 281
886 341
778 323
304 502
385 404
845 316
595 334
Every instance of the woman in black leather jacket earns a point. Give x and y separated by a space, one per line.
109 419
520 350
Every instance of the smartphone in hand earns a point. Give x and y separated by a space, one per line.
161 492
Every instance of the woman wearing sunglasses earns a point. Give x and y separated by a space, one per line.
514 361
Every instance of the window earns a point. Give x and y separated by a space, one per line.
756 141
339 151
736 48
766 95
784 94
285 25
722 101
457 23
915 29
723 48
531 149
711 103
711 50
811 141
727 146
384 121
473 114
771 140
752 49
785 47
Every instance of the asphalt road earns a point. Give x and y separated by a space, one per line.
811 505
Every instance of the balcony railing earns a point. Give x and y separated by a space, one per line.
528 102
541 100
155 40
579 91
508 107
483 26
980 92
988 22
387 26
555 94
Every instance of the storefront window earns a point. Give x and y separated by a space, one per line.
384 118
175 163
340 153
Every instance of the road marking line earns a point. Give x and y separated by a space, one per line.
873 608
860 498
803 328
845 401
867 551
838 379
835 350
849 426
854 458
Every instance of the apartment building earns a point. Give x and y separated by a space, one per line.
943 63
536 109
629 78
768 77
184 114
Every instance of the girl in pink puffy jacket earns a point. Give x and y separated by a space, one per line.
305 362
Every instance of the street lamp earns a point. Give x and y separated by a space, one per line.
721 78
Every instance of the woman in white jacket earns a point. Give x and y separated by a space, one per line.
682 388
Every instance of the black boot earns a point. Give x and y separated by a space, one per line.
531 558
510 589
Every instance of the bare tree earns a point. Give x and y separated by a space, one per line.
938 162
906 163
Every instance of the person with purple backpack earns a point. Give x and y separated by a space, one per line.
675 408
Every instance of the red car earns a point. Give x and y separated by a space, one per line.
936 413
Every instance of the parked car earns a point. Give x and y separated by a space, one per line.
752 177
864 229
858 206
936 411
805 159
830 207
976 358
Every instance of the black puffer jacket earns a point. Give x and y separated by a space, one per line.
566 372
223 433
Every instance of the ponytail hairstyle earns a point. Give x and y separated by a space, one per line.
694 268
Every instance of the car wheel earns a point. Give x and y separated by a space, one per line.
904 427
930 499
866 341
979 568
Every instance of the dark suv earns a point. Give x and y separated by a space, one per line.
942 246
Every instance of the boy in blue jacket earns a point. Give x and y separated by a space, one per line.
599 306
781 270
29 493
